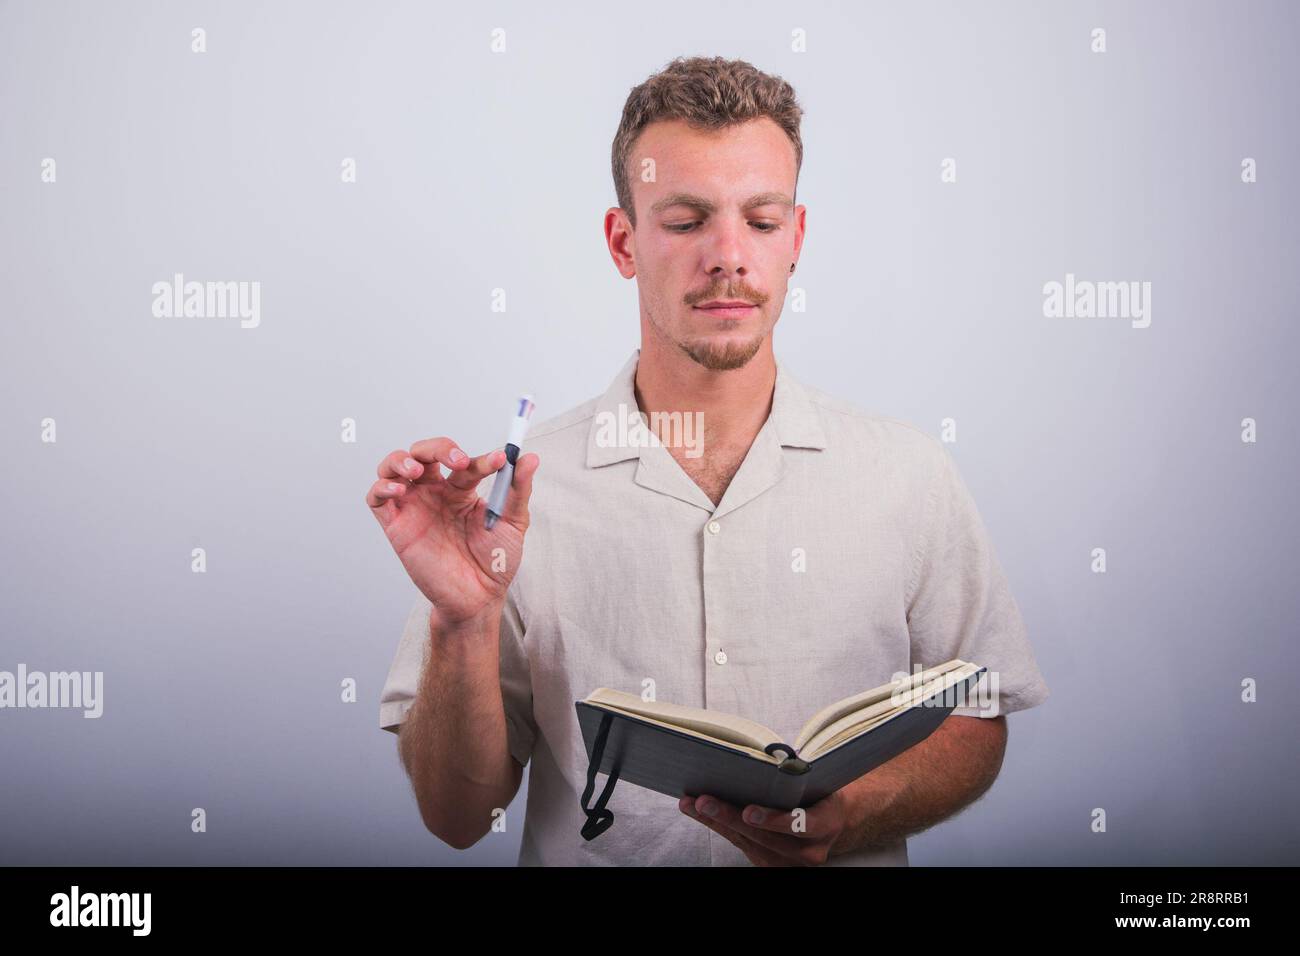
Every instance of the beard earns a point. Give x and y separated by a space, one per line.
722 357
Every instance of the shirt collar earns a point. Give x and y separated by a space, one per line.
794 417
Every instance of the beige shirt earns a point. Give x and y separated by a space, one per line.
845 550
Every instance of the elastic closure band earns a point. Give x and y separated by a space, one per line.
599 819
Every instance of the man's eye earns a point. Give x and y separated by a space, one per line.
688 226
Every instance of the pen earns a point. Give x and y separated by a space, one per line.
518 427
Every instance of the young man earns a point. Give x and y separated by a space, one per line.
796 552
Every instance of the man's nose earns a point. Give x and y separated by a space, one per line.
728 251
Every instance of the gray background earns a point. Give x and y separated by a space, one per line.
479 171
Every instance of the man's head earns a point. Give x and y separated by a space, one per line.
706 162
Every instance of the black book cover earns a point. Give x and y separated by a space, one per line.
675 763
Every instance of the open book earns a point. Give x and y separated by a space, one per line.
679 750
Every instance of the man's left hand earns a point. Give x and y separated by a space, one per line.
768 837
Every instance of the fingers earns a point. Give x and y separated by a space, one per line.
396 471
432 452
521 489
775 835
467 477
817 825
384 490
758 855
401 466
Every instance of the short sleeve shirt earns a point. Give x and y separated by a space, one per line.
845 551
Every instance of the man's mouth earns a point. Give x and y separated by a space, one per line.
727 308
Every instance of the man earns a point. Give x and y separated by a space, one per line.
802 552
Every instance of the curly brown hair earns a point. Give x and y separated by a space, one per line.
708 93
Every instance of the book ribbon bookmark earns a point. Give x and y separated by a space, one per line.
599 819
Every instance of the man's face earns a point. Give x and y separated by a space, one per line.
716 226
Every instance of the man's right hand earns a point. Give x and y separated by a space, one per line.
435 524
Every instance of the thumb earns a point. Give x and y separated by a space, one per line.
521 489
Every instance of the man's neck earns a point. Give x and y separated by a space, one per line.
733 404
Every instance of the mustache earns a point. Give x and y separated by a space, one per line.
743 294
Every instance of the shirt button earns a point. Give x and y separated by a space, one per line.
720 657
714 528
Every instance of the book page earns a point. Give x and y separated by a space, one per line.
854 724
823 718
725 728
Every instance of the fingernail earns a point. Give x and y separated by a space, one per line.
710 808
393 486
757 816
409 464
456 454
